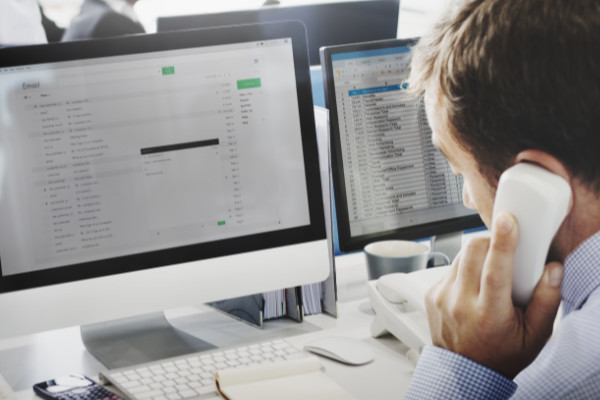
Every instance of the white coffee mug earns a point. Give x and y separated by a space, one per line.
389 256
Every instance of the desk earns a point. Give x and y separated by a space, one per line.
29 359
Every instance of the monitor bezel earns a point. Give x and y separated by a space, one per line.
361 20
347 242
145 43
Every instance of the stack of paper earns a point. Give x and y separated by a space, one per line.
312 295
275 304
299 379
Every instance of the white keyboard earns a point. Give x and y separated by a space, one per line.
6 392
192 376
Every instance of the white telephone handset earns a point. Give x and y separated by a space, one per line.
539 200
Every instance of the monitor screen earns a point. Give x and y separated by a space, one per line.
137 153
389 180
326 23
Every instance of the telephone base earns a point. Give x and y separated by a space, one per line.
398 300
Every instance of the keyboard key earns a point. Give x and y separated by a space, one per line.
186 394
149 394
206 390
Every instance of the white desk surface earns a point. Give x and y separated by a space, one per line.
30 359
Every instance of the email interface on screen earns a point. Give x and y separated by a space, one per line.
129 154
394 176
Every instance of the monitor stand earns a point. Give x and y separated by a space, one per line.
137 340
448 243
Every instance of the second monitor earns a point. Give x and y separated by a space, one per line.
326 24
390 182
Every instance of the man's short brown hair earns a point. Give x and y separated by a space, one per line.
515 75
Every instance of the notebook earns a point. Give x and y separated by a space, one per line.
298 379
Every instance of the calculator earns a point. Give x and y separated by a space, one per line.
73 387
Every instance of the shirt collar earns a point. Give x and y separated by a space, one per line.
581 273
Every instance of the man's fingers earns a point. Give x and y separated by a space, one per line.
469 273
496 278
545 300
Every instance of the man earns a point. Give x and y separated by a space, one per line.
54 32
104 18
510 81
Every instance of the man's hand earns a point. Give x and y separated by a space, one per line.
471 311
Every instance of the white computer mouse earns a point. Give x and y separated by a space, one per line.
343 349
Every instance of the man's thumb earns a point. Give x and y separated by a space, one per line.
541 311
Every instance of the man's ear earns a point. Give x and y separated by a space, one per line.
546 161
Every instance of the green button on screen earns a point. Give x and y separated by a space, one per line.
248 83
219 223
168 70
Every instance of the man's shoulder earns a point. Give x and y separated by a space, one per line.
568 364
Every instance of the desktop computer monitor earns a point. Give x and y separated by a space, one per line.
326 23
389 181
151 172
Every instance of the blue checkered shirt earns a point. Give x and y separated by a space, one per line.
568 367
